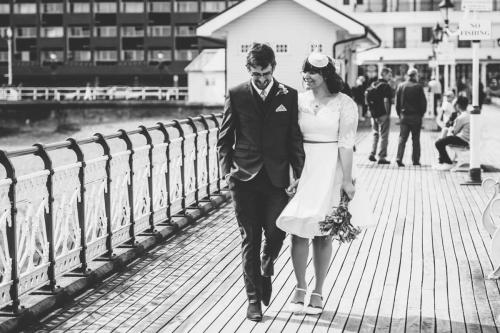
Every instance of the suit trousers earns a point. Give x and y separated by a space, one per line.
380 128
413 125
257 204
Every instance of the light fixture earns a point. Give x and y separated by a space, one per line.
9 33
444 7
437 34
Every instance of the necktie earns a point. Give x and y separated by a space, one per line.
263 95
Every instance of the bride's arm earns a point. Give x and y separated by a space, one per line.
347 134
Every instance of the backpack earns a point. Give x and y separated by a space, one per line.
375 100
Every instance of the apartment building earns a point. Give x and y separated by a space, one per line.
405 27
104 42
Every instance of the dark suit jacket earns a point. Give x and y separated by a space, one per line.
255 134
410 99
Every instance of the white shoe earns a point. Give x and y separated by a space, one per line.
299 306
315 310
444 167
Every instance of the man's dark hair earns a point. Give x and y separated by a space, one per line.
462 102
333 81
260 55
385 71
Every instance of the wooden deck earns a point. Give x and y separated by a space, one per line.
421 269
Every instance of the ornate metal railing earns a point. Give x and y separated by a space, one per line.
57 219
491 222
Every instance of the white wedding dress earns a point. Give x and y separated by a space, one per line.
325 129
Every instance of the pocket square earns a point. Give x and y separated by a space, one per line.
281 108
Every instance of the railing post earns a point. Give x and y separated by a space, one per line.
214 118
166 139
207 128
12 231
124 136
178 126
81 205
149 141
49 217
107 194
196 176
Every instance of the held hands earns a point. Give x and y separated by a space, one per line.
348 187
290 190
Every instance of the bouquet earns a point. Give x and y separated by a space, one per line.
338 222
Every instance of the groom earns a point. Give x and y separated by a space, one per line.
259 139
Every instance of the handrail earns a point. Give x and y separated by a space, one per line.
93 93
56 220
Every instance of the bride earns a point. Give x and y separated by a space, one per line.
328 120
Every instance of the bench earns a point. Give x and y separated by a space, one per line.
491 222
459 155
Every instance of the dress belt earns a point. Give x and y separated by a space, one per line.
309 141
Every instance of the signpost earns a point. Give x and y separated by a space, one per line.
475 30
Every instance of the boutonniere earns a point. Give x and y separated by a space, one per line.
282 90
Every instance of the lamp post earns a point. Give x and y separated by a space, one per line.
437 37
161 66
9 56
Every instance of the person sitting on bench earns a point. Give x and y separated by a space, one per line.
458 135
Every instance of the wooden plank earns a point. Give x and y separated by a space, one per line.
146 266
386 183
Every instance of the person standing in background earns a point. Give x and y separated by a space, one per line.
411 105
358 94
379 99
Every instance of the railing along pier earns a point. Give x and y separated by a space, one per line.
92 195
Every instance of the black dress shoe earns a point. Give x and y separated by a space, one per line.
267 289
417 164
382 161
372 158
400 164
254 311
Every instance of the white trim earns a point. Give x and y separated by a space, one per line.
223 19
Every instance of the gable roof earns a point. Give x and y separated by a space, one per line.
332 14
209 60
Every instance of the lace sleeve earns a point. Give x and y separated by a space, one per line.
348 123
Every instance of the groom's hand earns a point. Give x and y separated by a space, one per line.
290 190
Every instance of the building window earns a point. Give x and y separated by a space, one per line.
245 47
186 6
105 7
185 30
213 6
159 7
399 38
79 55
4 8
316 47
4 55
132 7
107 31
464 43
26 32
160 55
51 56
186 55
51 32
159 31
25 8
133 55
105 55
281 48
426 34
78 7
132 31
26 56
52 8
79 31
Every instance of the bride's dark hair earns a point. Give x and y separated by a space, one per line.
333 81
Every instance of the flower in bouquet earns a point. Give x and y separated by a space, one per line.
338 223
